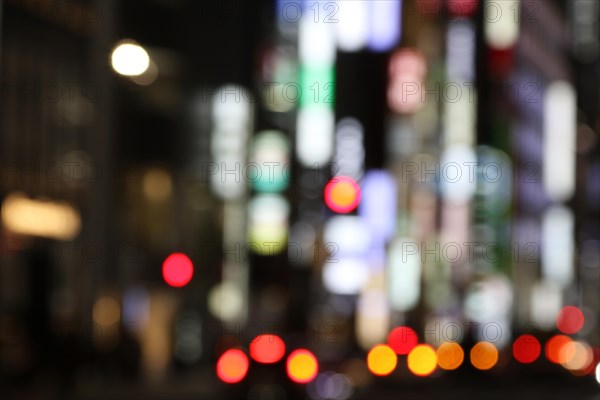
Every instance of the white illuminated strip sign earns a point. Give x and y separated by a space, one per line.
316 39
458 159
269 162
459 95
459 118
352 26
558 245
489 301
231 127
346 270
315 122
385 27
349 149
404 274
377 207
546 301
314 135
372 313
501 23
458 173
349 233
460 45
268 224
559 140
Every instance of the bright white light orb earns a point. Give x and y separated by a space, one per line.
130 59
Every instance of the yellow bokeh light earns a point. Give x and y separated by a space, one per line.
302 366
422 360
484 355
381 360
450 355
107 311
157 185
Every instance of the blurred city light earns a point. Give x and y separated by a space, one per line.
267 349
129 58
570 320
450 356
177 270
232 366
342 194
484 355
382 360
422 360
402 339
290 199
302 366
25 216
501 23
384 24
526 349
352 29
554 347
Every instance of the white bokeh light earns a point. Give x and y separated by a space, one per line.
130 59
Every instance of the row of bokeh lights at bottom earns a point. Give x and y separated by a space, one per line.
302 365
422 359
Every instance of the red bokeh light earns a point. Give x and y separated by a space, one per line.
570 319
177 270
232 366
402 339
267 349
462 8
554 346
526 349
342 194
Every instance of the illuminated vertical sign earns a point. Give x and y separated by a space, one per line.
559 140
385 24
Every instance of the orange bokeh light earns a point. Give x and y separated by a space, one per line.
450 355
554 347
302 366
267 349
484 355
232 366
342 194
